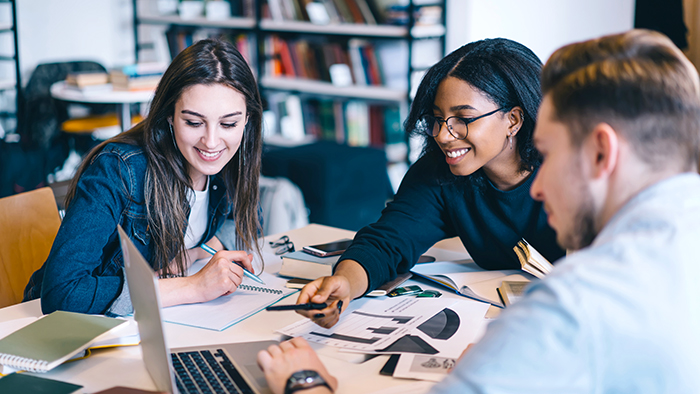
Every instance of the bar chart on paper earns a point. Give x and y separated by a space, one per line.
375 326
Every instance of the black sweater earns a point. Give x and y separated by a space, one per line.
432 204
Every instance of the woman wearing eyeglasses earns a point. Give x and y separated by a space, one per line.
476 109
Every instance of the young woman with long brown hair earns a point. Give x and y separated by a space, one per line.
188 174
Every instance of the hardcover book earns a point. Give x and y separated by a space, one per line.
307 266
531 260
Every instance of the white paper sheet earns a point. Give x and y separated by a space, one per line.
448 332
371 325
423 367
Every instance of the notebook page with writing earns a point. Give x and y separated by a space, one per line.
225 311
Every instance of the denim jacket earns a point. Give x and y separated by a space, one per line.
84 270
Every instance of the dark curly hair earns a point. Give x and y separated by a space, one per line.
505 71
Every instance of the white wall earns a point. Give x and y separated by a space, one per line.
541 25
51 30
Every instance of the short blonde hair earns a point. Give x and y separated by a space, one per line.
640 83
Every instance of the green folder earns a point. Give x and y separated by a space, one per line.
20 383
53 339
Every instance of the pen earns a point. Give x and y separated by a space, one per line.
295 307
247 273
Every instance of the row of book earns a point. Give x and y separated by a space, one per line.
323 11
353 122
179 38
362 60
370 12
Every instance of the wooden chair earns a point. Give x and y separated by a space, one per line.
28 225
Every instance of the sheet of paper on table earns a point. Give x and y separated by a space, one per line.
424 367
373 324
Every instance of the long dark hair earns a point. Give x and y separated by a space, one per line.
209 61
504 70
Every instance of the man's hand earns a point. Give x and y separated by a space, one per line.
280 362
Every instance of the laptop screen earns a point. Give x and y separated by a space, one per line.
143 284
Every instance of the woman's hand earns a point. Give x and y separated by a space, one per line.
220 276
334 290
279 362
348 282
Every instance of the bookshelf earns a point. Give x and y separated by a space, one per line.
10 85
324 62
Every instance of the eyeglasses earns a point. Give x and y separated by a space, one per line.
283 245
457 126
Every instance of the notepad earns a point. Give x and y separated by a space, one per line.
52 339
225 311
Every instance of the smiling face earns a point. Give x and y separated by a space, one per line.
561 183
486 143
208 126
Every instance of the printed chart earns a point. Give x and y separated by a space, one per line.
377 325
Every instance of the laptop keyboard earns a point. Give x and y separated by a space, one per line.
207 372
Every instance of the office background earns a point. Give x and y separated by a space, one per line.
102 30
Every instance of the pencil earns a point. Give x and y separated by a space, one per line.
247 273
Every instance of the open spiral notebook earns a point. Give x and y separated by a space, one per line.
223 312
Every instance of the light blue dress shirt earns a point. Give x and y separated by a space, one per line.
621 316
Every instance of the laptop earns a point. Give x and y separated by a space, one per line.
225 368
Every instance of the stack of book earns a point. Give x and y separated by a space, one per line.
135 77
87 78
88 81
307 266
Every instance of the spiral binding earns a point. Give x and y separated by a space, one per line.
260 289
23 364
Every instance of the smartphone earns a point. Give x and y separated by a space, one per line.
328 249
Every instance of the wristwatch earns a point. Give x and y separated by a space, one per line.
303 380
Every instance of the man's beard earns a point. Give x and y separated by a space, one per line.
582 231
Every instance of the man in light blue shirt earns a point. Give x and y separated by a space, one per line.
619 130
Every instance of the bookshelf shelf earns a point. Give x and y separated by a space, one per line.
346 29
373 64
230 23
321 88
5 27
428 31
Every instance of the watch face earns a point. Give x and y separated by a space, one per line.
303 380
302 377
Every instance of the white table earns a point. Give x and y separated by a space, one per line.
124 366
122 99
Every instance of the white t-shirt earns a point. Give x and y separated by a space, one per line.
199 216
